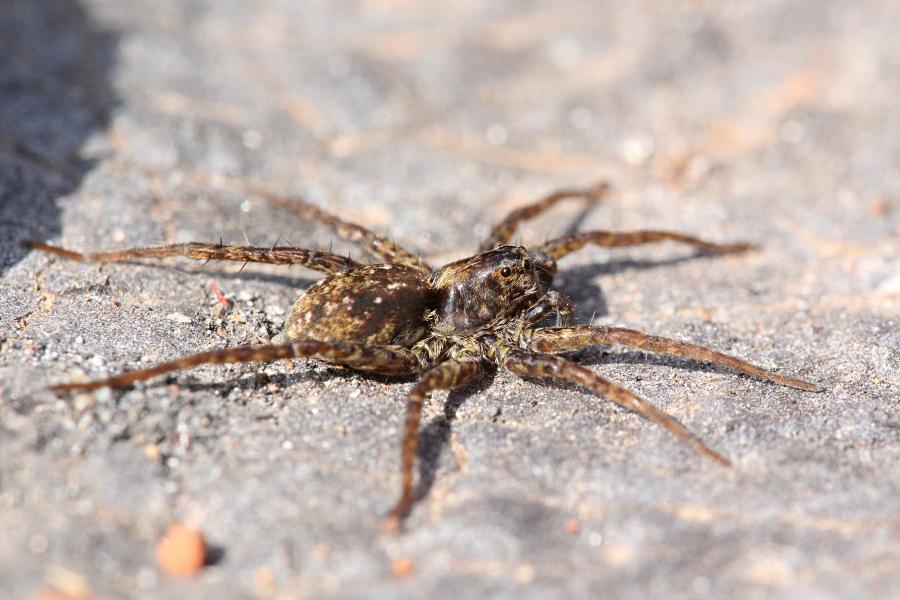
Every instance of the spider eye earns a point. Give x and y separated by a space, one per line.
527 264
505 272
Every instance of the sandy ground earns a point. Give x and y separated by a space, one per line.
142 122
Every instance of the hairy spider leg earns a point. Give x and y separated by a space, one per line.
382 360
566 339
530 364
563 246
502 233
317 260
445 376
377 244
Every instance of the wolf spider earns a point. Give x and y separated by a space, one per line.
403 318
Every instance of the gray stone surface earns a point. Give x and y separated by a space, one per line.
127 123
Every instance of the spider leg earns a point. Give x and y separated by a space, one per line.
378 245
317 260
375 359
505 229
565 339
530 364
563 246
445 376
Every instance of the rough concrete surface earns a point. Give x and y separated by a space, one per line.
128 123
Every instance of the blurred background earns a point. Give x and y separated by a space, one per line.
777 122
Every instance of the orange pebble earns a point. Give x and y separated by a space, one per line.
181 551
572 526
879 208
402 567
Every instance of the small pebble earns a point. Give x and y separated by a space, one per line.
402 567
181 551
637 150
879 208
525 573
264 582
178 317
237 317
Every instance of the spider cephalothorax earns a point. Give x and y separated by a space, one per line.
485 291
401 318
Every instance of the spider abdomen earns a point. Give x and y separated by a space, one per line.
375 304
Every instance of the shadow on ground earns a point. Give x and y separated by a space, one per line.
54 94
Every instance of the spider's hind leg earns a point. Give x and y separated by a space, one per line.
317 260
383 360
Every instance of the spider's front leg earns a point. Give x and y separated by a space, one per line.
445 376
565 339
502 233
326 262
392 361
560 247
532 364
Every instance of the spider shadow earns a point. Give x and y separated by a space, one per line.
435 436
55 94
599 357
577 282
333 371
576 222
295 378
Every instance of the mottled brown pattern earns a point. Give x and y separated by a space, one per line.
400 318
381 304
485 291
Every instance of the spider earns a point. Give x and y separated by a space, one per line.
401 318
